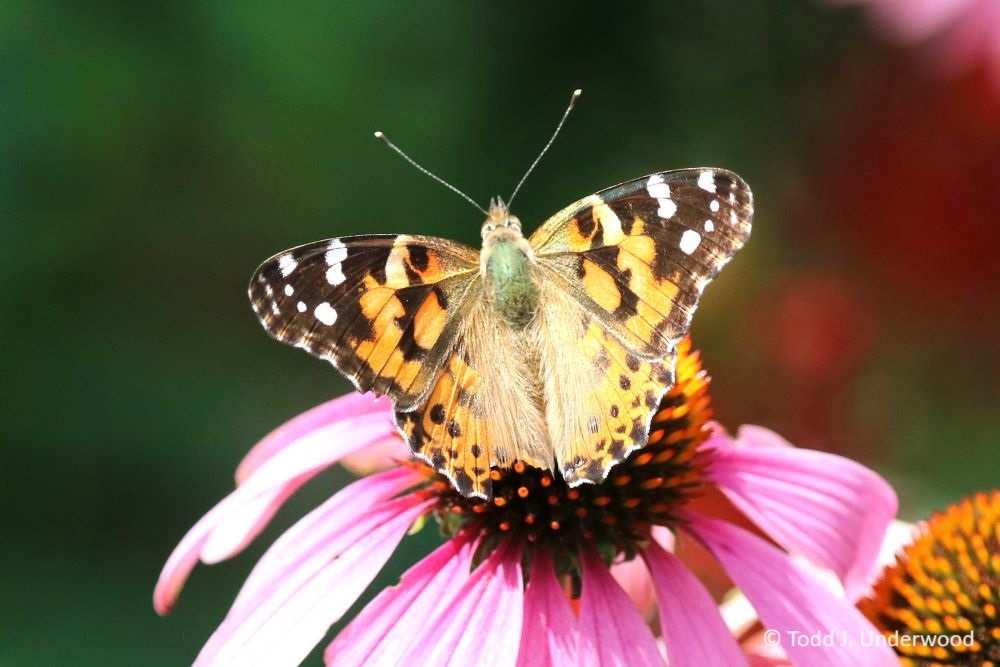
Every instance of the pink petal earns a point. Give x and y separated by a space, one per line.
481 623
388 627
789 601
761 655
239 517
693 630
611 630
549 633
633 576
336 517
825 507
285 620
329 413
900 534
380 455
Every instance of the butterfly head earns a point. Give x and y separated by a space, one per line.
499 222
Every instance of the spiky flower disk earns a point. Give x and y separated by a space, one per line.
643 491
946 583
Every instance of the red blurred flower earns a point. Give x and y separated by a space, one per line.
913 188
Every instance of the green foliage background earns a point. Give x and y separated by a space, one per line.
151 155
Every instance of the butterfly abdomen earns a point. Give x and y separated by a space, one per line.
510 284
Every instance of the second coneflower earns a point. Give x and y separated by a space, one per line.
526 578
938 603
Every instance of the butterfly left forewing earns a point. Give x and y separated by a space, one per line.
384 309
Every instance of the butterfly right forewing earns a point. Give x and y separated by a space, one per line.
384 309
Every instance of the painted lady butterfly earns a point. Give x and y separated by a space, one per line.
552 350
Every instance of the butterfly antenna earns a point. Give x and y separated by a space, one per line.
384 139
572 101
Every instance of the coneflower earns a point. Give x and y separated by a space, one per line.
938 603
525 578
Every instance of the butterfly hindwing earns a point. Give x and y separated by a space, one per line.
601 396
638 255
384 309
447 430
483 409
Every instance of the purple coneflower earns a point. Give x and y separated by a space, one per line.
525 578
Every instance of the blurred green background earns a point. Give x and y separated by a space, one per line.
152 155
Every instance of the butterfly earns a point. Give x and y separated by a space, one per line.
552 350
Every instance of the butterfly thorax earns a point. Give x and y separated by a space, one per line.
507 266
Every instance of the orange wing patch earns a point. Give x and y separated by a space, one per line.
611 415
381 308
410 264
448 432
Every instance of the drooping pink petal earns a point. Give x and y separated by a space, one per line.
239 517
388 627
378 456
788 601
549 633
335 517
611 630
333 412
693 631
633 576
283 622
825 507
481 623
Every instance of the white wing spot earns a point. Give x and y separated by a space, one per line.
690 241
733 218
667 208
301 305
335 255
274 309
709 226
335 275
268 290
336 252
325 314
714 205
706 181
287 264
289 290
656 188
